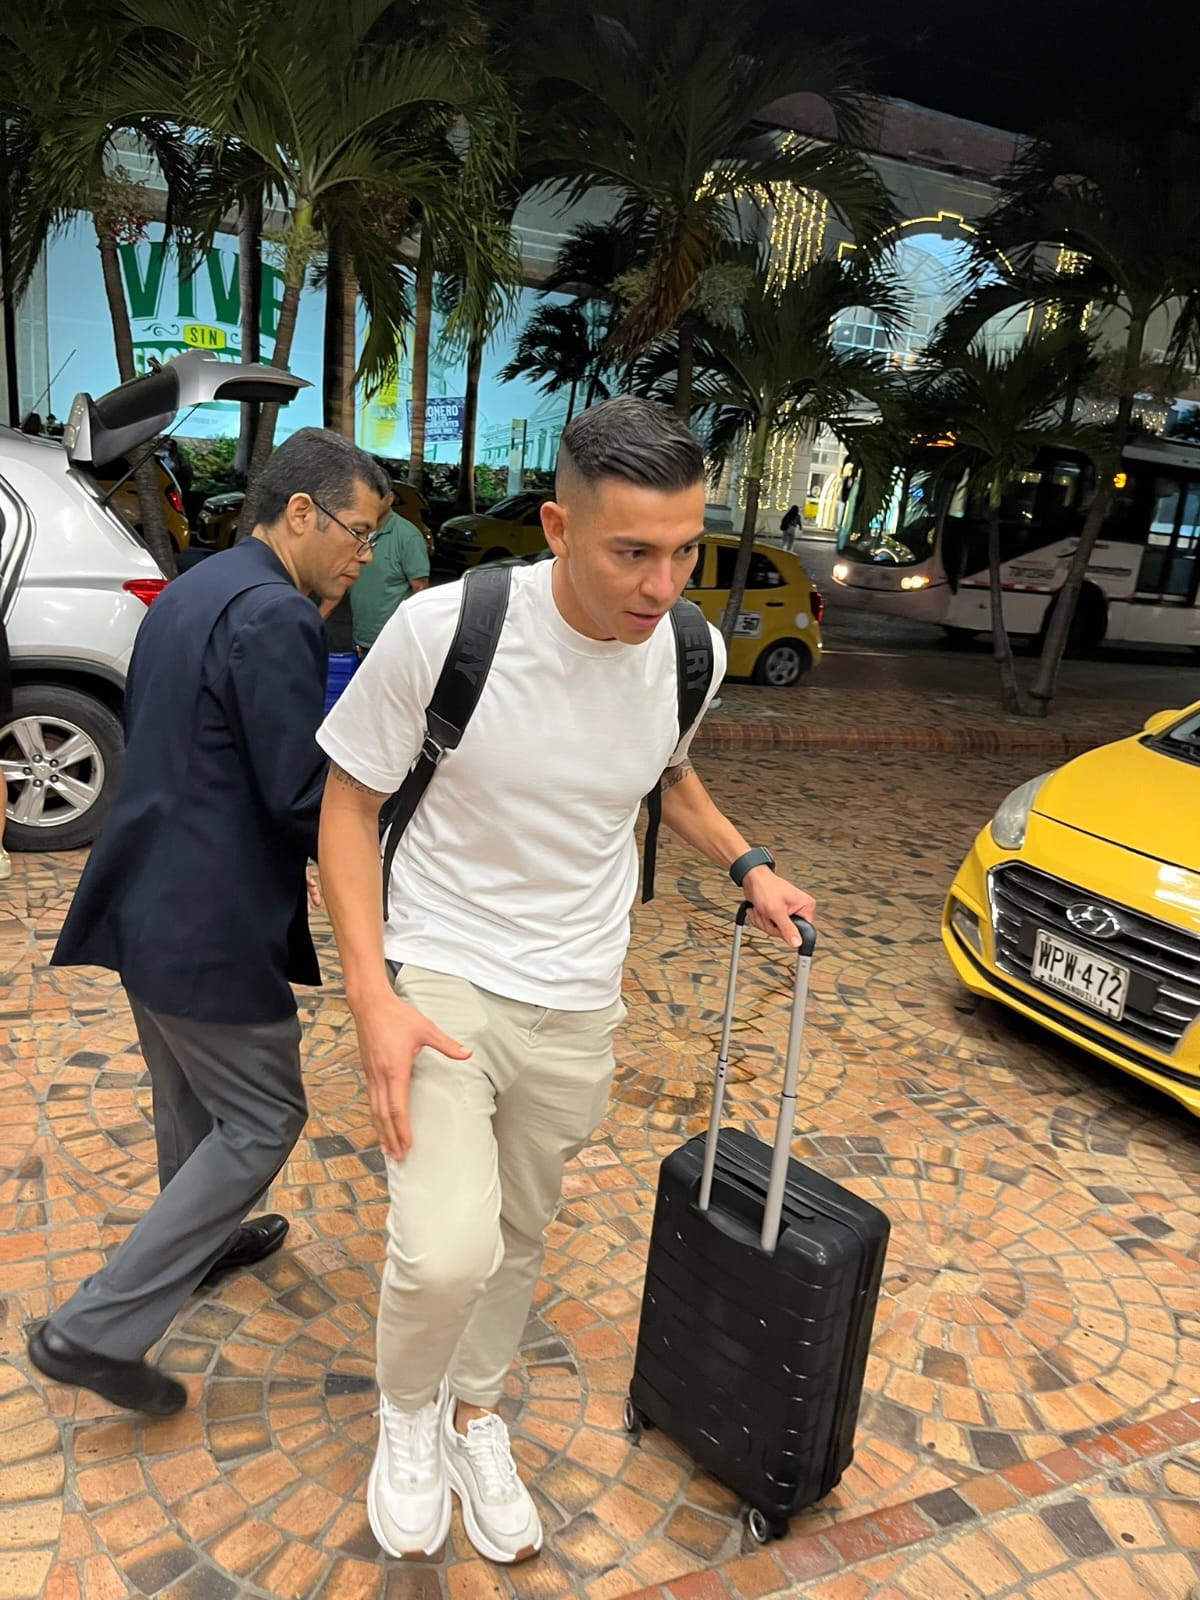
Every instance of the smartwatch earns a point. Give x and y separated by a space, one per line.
758 857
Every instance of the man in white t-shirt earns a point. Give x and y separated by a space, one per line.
488 1064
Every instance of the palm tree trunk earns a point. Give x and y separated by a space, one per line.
1010 690
1068 596
571 399
264 441
687 366
422 318
332 377
154 525
340 361
755 466
249 236
464 494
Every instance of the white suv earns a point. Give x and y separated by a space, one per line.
75 582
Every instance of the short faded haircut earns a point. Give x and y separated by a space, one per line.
632 440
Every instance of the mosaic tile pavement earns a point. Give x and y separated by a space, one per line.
1030 1425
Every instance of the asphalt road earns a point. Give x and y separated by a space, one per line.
863 648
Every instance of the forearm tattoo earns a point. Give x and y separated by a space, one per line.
674 775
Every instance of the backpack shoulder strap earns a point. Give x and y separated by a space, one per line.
694 663
694 660
455 696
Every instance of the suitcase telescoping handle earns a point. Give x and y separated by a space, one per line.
780 1155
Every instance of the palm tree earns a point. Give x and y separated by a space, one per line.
557 349
1000 407
68 130
660 105
776 371
322 113
1128 206
472 318
595 265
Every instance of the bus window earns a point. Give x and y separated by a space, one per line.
1020 498
1169 564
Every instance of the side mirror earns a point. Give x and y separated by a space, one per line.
1160 721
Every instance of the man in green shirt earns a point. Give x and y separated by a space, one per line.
399 566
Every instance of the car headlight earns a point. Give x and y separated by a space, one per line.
1012 817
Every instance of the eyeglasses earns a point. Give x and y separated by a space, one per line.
365 540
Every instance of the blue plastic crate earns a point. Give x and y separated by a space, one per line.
341 669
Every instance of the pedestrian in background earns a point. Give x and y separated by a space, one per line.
790 526
399 567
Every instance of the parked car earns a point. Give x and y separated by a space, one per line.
778 637
220 515
1079 904
512 527
75 582
125 499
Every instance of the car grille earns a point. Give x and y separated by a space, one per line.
1164 962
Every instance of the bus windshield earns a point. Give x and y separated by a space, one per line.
899 534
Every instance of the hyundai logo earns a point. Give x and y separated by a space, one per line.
1098 922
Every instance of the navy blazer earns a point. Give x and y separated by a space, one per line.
195 890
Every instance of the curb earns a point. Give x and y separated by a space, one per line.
836 1549
717 734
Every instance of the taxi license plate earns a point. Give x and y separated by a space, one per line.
1090 979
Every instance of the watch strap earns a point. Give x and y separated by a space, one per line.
758 857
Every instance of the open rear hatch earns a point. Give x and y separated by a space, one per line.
100 431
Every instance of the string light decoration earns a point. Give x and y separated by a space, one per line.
1068 264
797 235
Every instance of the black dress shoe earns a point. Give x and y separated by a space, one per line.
135 1385
253 1241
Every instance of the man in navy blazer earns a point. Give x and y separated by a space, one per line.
195 894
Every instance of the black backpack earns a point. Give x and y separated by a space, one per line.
460 683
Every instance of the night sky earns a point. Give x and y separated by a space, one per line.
1017 64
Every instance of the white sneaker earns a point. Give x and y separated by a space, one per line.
5 863
408 1493
501 1519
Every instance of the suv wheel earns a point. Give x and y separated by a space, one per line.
60 757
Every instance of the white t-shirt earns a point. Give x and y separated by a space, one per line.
520 865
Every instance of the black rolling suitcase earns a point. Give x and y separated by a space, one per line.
760 1294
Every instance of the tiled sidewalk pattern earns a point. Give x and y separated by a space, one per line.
1040 1305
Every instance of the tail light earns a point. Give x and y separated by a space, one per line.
147 590
816 604
173 499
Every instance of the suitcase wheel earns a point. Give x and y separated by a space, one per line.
762 1528
635 1422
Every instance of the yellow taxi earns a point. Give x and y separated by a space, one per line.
125 500
1079 904
511 527
778 634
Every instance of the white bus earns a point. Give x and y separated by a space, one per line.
924 556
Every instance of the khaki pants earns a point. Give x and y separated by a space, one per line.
470 1202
